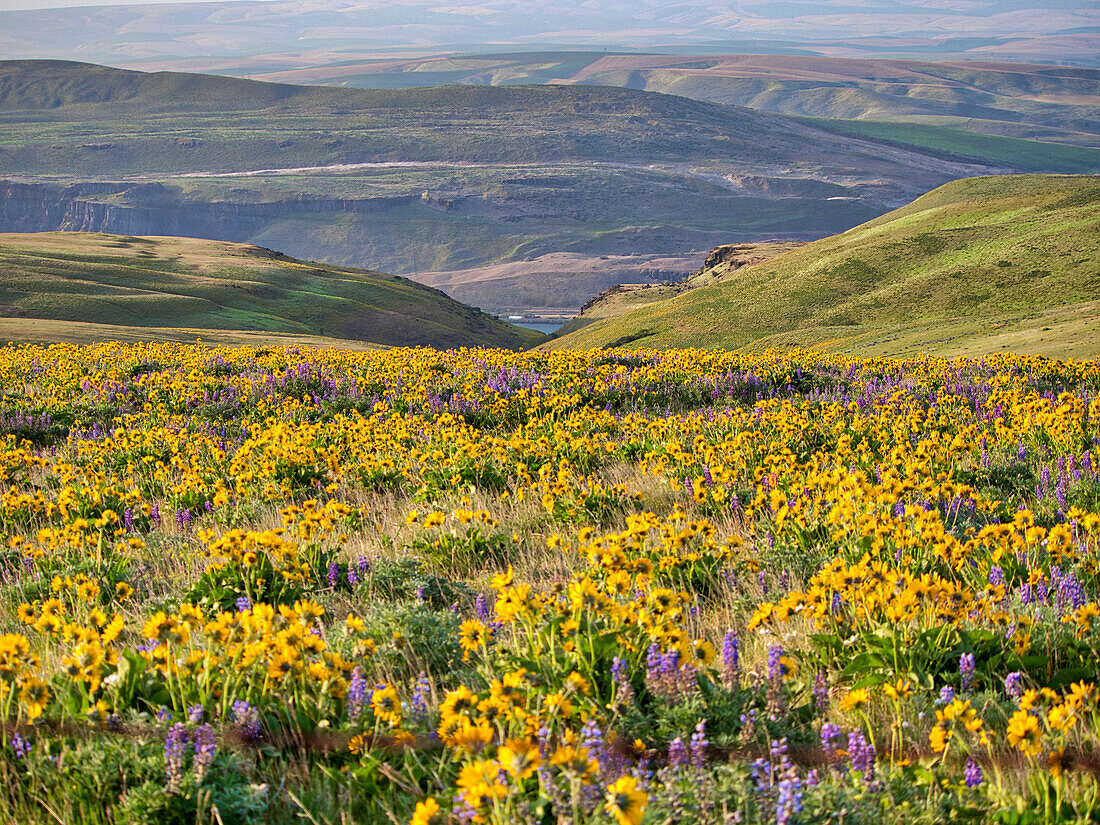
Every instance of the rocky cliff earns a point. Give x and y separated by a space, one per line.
156 209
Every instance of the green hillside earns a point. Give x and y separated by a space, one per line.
1021 154
979 264
190 284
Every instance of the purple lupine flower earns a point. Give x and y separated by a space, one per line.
1042 590
164 714
670 662
206 746
624 690
353 575
194 714
821 692
731 658
947 694
1070 591
830 733
243 603
481 606
357 694
208 506
972 776
247 720
1026 594
20 746
699 745
861 753
788 802
966 670
779 752
776 668
363 563
420 694
996 576
128 520
653 661
677 753
1014 684
154 515
333 574
175 750
592 739
420 592
758 771
763 582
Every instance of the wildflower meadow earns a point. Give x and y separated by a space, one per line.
275 585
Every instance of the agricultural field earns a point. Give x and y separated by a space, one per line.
282 584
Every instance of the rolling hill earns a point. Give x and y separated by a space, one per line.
76 119
216 35
55 286
436 180
1059 104
977 265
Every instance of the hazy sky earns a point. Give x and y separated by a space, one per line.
12 5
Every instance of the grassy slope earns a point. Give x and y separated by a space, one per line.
95 121
1017 153
954 270
623 298
184 283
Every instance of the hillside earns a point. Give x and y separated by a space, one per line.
436 180
980 264
1057 104
190 285
97 121
622 298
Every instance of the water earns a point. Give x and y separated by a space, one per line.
541 327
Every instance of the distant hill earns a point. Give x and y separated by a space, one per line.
1028 117
78 119
1012 100
977 265
189 285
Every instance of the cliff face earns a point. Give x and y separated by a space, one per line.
154 209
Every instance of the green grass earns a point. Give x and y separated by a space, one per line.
959 269
1015 153
190 284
